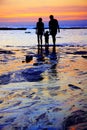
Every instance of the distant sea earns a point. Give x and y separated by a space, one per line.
30 25
66 37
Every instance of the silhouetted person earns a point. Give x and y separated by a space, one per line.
39 32
46 35
53 27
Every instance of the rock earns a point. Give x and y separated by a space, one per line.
57 109
41 117
27 32
1 101
28 58
5 79
74 87
84 56
32 75
6 52
80 52
76 118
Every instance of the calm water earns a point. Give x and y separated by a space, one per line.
20 38
60 94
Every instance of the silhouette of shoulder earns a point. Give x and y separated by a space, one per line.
40 27
40 24
53 23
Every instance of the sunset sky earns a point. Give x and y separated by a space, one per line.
30 10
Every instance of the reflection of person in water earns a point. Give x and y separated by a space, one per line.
46 35
39 32
53 27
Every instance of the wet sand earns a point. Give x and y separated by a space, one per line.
43 95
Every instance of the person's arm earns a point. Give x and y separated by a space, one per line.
58 26
49 29
43 28
36 28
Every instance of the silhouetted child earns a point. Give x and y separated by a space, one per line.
46 35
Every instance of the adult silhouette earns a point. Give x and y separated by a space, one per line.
53 27
39 32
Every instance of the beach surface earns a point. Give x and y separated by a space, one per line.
43 95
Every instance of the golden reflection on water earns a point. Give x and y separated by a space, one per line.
16 64
52 90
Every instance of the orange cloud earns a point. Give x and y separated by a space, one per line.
28 13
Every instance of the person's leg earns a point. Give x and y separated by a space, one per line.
54 41
41 42
38 39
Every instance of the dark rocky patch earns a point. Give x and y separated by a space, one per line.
83 73
74 87
16 104
31 95
57 109
37 98
1 117
27 32
1 101
75 118
69 53
5 79
10 120
80 52
6 52
84 56
42 116
28 58
2 126
32 75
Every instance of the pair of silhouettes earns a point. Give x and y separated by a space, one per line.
53 27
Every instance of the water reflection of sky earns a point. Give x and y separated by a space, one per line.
20 38
44 103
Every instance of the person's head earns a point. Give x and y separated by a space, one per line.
51 17
40 19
